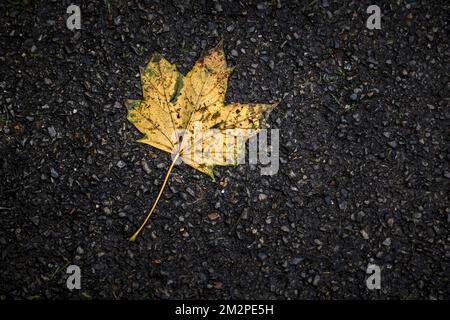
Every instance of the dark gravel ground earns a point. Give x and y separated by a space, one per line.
364 174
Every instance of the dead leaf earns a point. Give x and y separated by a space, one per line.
174 107
213 216
156 262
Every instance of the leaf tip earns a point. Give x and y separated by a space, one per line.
156 57
219 45
210 172
130 103
133 237
144 139
272 106
276 103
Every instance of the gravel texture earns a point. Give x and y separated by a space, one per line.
364 146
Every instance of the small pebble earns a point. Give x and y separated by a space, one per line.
51 132
364 234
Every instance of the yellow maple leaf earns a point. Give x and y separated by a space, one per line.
187 115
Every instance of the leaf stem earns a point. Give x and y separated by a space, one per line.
134 236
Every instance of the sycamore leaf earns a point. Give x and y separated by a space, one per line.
187 115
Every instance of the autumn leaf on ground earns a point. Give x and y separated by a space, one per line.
187 115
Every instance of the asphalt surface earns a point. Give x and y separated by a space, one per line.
364 153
